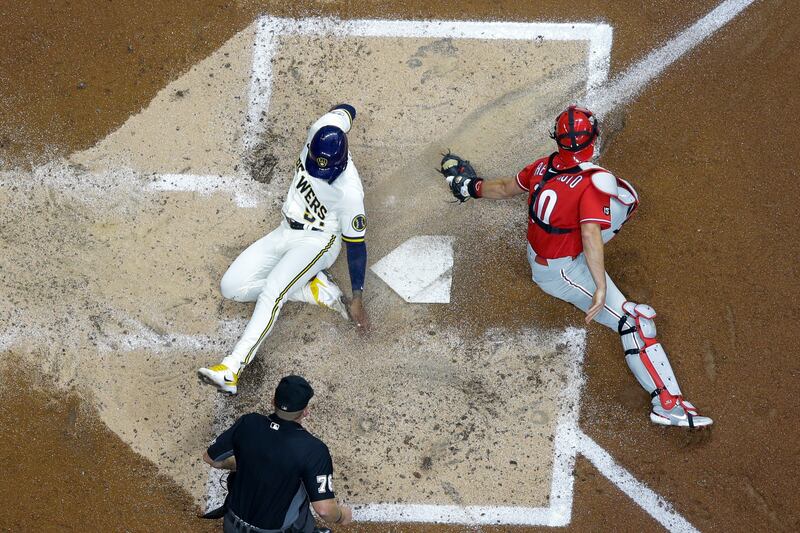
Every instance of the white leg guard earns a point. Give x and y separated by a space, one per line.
644 354
650 365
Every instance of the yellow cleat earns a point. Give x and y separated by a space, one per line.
222 377
327 294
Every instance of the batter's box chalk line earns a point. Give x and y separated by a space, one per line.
269 29
559 511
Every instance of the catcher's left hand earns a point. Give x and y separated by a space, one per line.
461 177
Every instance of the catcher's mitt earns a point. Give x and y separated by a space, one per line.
461 177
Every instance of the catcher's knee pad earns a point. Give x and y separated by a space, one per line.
645 356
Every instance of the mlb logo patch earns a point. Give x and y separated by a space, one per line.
606 211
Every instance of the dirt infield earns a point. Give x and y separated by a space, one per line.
712 249
70 473
197 124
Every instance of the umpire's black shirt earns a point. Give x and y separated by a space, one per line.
279 467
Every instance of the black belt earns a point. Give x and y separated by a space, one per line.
241 526
299 225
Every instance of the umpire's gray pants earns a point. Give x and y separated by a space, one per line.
233 524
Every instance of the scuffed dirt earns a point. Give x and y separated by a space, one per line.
716 261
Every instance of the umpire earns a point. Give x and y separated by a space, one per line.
279 468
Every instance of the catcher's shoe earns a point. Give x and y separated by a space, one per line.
327 293
222 377
684 414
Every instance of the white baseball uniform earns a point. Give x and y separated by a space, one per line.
287 263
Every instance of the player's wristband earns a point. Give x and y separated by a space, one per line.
347 108
475 188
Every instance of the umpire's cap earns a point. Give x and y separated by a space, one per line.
293 394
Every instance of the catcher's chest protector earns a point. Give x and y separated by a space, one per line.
623 206
543 198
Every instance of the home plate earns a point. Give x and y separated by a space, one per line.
420 270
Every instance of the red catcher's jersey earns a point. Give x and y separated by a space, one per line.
565 201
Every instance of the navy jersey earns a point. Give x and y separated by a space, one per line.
280 467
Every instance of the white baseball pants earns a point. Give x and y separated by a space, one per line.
270 271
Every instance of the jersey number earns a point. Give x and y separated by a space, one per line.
545 205
323 482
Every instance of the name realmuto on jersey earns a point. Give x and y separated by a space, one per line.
304 186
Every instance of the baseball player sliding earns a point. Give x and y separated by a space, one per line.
324 206
574 208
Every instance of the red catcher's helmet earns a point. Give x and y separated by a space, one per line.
575 131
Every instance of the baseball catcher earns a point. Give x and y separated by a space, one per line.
574 208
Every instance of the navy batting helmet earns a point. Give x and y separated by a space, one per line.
327 153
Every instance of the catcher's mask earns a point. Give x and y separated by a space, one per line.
575 131
327 153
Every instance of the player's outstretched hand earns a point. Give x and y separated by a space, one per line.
359 314
598 301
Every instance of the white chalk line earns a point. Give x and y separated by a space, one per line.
143 337
244 190
264 47
268 29
139 337
626 86
559 510
215 490
656 506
